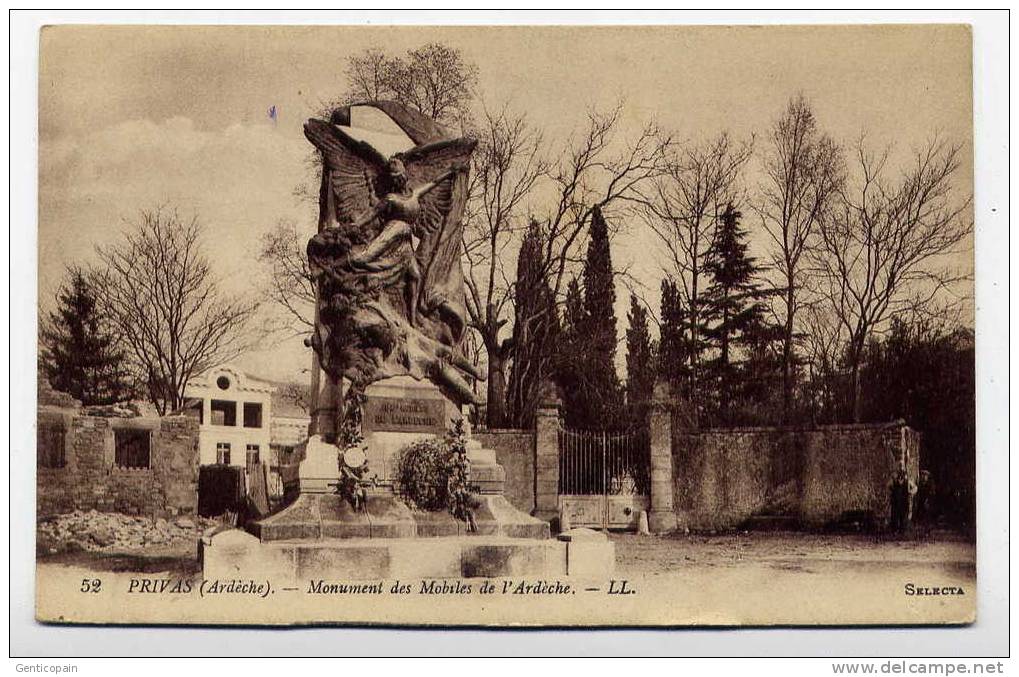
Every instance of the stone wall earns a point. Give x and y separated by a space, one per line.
514 451
815 476
90 479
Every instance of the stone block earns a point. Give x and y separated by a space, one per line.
582 534
398 412
320 469
351 529
298 520
590 558
508 558
237 554
280 531
384 450
548 462
643 525
538 529
661 493
478 455
489 479
661 521
436 524
342 559
436 558
556 559
388 517
494 515
547 487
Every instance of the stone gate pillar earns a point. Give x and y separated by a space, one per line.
546 454
662 516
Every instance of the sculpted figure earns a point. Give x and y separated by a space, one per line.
386 259
392 251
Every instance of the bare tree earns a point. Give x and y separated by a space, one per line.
473 348
436 80
433 79
167 306
803 172
593 174
682 209
884 249
507 164
823 342
291 286
297 393
370 75
595 171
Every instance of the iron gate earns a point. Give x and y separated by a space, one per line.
604 479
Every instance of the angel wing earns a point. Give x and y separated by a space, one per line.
444 203
442 208
352 171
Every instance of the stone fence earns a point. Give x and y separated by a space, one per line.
808 476
140 465
700 479
712 479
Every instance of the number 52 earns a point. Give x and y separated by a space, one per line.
93 585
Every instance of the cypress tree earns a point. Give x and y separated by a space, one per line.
570 357
79 354
600 297
640 363
535 331
601 397
672 348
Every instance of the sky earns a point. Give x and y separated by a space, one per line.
134 117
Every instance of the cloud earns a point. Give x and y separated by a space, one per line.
238 180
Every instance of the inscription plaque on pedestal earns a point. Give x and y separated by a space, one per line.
397 414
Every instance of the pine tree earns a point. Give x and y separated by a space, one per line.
734 310
640 362
79 354
535 331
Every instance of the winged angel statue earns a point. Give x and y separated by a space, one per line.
386 259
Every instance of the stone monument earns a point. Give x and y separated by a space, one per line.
387 371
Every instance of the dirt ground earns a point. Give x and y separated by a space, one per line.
757 578
647 555
788 551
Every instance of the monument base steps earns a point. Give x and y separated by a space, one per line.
322 516
235 553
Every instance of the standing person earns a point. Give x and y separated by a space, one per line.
923 513
899 502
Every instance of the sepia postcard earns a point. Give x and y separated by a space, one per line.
506 325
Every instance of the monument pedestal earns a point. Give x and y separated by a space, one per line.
320 535
238 554
330 516
487 476
399 411
319 470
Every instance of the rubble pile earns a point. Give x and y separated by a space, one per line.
115 532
